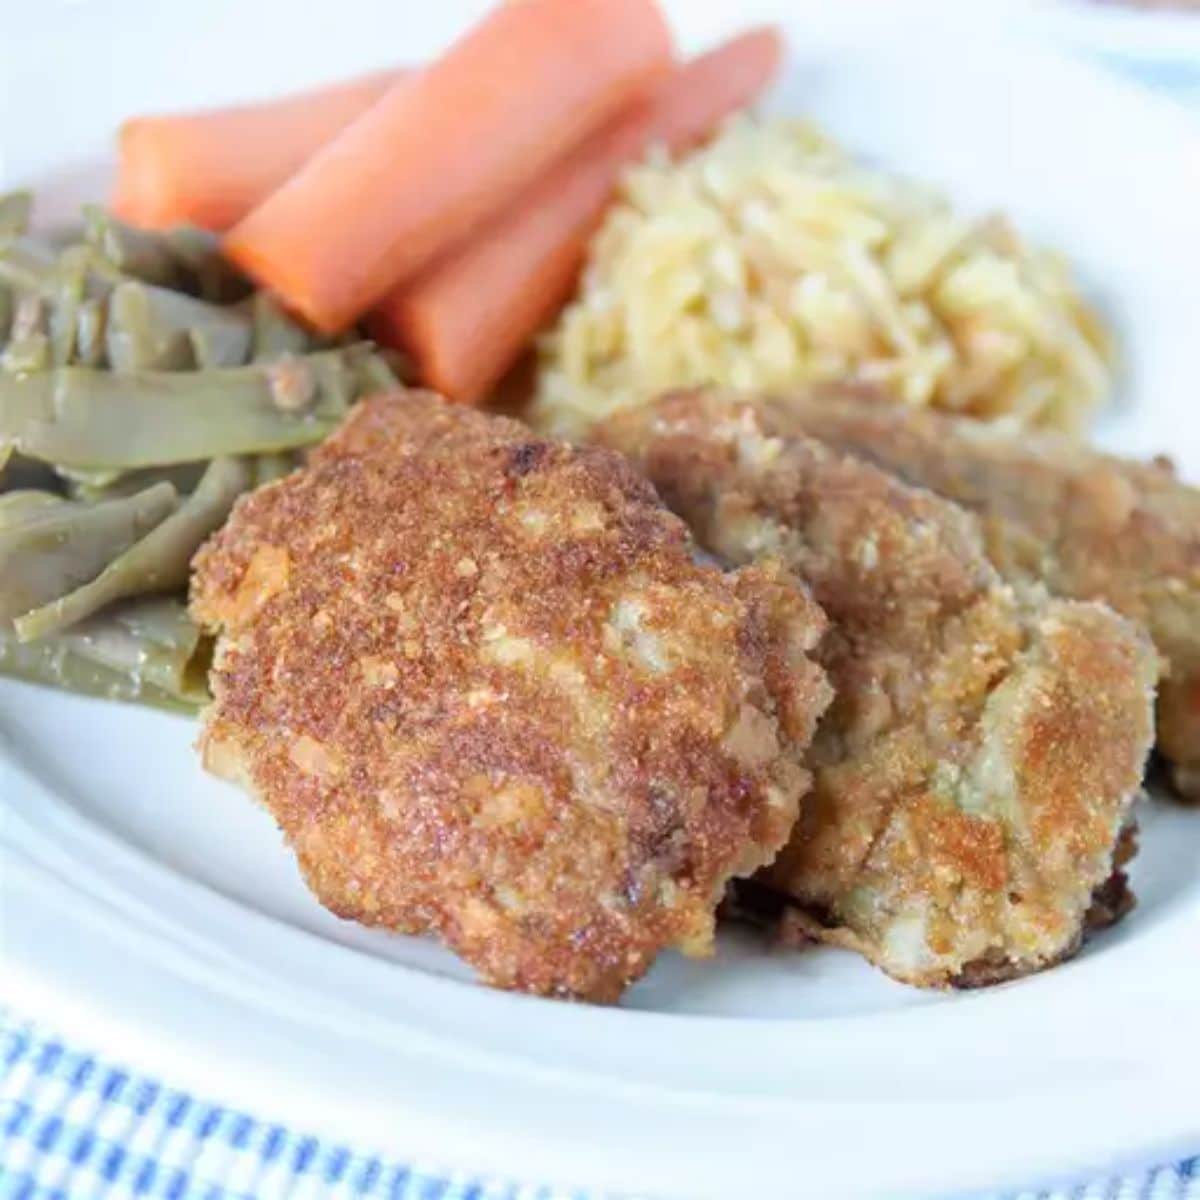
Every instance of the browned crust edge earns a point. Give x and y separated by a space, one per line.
750 902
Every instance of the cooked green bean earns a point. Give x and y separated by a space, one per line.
146 651
157 563
376 375
71 285
269 467
139 336
92 486
153 328
136 253
28 347
15 211
55 287
220 343
51 552
153 639
25 264
90 330
80 417
210 274
95 483
137 367
185 258
276 335
26 354
18 505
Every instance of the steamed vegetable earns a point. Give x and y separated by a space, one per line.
143 387
440 153
154 328
184 258
467 320
15 210
132 252
18 505
91 484
28 347
211 168
147 650
27 265
47 549
275 334
157 562
79 417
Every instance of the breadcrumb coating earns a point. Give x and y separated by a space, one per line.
488 692
977 767
1088 525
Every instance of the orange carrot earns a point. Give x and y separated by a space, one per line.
466 320
211 168
439 154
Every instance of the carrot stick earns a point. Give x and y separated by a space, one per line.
211 168
467 319
440 153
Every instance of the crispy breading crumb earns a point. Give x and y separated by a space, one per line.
974 773
1088 525
487 691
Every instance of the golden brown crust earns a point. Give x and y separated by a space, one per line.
985 743
1089 526
486 691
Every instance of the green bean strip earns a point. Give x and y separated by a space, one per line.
138 336
153 638
134 252
152 328
184 258
210 275
376 375
50 553
25 354
146 651
70 286
269 467
223 343
91 486
94 483
90 328
276 335
56 287
78 417
26 265
157 563
15 210
17 506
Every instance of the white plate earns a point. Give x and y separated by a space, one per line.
1165 38
152 912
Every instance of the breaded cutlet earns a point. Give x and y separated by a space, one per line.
974 773
1088 525
487 692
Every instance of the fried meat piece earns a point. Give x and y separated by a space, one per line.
487 692
977 766
1089 526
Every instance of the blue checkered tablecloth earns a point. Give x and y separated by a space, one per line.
75 1124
